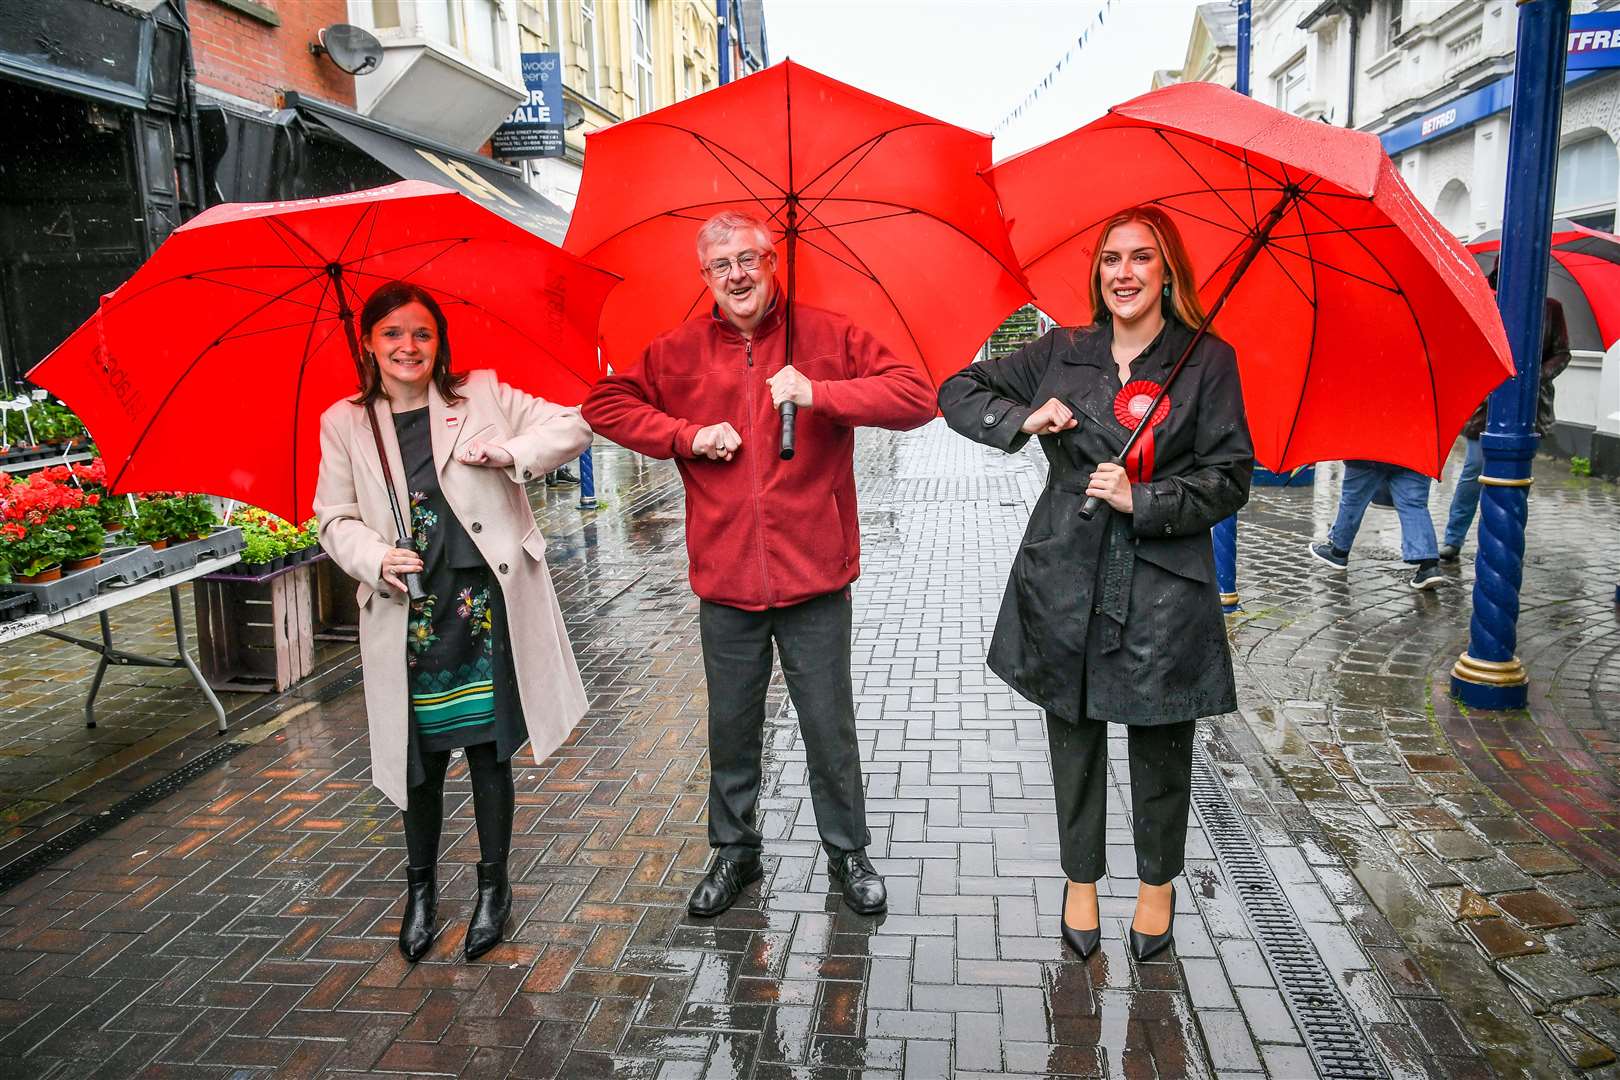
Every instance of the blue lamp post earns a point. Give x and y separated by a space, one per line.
1489 675
1224 534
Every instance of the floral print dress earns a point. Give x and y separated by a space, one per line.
463 688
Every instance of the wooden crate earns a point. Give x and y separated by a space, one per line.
336 611
256 634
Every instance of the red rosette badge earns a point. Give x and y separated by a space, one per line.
1130 405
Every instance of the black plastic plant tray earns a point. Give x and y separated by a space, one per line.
129 564
15 606
67 591
223 541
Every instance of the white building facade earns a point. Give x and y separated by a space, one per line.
1433 79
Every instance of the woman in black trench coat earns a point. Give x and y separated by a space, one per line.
1118 619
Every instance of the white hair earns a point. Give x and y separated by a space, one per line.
720 227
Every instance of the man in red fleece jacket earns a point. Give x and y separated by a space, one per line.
772 545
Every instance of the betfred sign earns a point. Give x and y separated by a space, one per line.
1594 40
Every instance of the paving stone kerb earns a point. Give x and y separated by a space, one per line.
244 926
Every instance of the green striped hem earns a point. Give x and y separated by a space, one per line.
464 706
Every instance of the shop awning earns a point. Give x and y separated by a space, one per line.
492 184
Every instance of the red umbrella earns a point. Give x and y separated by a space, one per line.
882 211
1362 328
209 369
1583 276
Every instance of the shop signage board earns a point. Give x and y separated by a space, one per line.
535 128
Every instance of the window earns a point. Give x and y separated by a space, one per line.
588 47
641 53
1453 210
437 23
1588 176
1290 86
1391 28
385 14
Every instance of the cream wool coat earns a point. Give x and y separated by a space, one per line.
356 529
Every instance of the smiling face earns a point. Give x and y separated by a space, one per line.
1131 272
405 342
743 295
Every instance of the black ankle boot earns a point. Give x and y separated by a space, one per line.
416 926
488 924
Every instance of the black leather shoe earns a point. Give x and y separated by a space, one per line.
864 890
1146 945
721 886
1084 942
416 929
489 915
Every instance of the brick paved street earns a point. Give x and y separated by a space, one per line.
1455 875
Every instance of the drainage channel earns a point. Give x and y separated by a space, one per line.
1336 1042
36 860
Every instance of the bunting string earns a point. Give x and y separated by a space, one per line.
1091 30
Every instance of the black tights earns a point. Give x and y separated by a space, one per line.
493 801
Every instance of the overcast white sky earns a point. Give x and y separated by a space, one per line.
971 61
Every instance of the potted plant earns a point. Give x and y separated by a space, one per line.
81 520
259 549
155 519
194 518
33 552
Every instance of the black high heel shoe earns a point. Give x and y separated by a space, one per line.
1146 945
1083 942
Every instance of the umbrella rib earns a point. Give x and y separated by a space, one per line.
192 366
203 277
1434 391
277 224
710 145
823 227
298 391
1393 286
1093 224
1310 351
451 245
1247 225
732 173
671 212
1289 274
865 271
368 210
245 334
1241 159
281 237
1308 232
1014 272
862 269
119 300
1351 274
863 148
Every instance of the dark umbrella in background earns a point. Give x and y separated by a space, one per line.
881 213
1583 276
1362 328
208 370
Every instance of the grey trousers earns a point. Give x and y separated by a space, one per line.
1161 795
812 639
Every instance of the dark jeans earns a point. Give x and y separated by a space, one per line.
1161 794
1408 490
813 641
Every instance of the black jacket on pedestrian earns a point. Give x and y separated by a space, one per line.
1554 359
1118 618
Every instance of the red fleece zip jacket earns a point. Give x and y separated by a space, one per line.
762 532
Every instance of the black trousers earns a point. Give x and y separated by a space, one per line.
1161 794
494 800
813 641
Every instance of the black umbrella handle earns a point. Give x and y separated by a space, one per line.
1089 510
413 582
790 415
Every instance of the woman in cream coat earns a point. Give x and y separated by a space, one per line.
484 663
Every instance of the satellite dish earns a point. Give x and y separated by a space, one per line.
351 48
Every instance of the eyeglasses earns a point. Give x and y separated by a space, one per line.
746 261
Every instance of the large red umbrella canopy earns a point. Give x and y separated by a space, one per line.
1583 275
1363 329
894 225
209 369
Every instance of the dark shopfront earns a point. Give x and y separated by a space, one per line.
97 167
313 148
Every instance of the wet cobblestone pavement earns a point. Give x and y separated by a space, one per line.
1455 874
